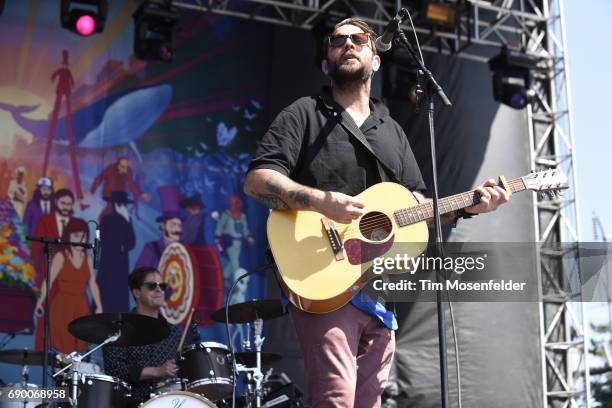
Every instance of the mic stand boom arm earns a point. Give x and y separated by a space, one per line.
433 84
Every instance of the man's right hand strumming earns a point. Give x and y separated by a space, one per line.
340 207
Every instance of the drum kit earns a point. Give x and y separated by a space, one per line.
206 370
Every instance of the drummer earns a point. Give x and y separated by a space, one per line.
144 366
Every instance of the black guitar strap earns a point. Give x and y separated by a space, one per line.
386 173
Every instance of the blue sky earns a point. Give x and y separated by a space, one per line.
589 32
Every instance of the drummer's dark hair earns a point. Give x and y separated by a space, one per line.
136 278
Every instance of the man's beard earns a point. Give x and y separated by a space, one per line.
64 213
346 77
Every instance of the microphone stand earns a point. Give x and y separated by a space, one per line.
432 87
49 243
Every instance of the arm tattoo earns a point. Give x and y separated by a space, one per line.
272 187
300 197
272 201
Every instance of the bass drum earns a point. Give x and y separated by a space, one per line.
181 399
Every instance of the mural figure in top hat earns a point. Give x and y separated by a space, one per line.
117 240
170 224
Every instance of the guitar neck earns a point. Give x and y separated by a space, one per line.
424 211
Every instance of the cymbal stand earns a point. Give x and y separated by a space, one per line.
25 375
246 343
76 360
257 374
254 374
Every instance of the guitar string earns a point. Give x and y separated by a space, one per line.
447 205
376 221
425 208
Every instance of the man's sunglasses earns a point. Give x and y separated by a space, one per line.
154 285
336 41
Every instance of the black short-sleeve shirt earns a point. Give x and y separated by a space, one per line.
307 143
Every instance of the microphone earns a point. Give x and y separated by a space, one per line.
384 42
96 249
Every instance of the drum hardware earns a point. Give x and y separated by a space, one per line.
136 329
24 358
206 370
168 385
76 359
246 342
98 390
123 329
248 312
257 374
252 313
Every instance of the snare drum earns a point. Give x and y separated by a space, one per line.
98 390
172 384
206 369
181 399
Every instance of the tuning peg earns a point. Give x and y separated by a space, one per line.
552 195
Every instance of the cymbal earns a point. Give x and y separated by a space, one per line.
249 358
24 357
248 312
136 329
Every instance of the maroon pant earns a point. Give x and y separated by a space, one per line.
347 356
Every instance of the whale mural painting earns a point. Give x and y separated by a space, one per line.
110 121
191 124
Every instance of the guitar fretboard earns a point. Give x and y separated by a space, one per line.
421 212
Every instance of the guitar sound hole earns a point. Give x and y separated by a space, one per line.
375 226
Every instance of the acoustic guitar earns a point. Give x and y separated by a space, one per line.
322 264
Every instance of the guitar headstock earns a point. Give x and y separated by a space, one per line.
546 181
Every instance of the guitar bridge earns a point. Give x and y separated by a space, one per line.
334 238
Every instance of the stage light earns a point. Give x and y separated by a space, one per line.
83 17
154 30
86 25
439 13
512 78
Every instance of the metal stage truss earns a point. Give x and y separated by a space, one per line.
484 27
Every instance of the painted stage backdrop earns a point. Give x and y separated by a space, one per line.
155 153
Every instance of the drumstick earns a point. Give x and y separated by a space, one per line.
180 347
